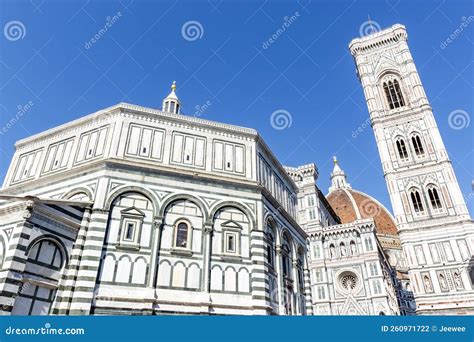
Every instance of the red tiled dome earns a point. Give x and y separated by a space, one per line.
351 205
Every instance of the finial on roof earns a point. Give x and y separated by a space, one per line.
371 26
171 103
338 177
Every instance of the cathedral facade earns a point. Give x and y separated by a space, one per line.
139 211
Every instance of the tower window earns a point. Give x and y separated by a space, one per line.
416 200
417 145
393 93
434 198
402 149
172 106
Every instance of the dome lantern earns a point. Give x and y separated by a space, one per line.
171 103
338 177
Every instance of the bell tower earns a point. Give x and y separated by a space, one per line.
436 231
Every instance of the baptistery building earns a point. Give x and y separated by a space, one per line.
143 211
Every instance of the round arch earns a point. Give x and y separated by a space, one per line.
290 240
388 72
76 191
175 197
54 239
270 220
118 192
237 205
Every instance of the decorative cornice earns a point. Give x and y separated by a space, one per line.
378 40
125 108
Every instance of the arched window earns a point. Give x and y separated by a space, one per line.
270 247
300 268
416 201
417 145
393 93
44 264
435 201
402 149
286 255
182 234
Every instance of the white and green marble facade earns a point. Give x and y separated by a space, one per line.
433 221
134 164
338 253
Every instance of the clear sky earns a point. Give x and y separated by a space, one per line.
228 70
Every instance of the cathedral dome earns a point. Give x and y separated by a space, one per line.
351 205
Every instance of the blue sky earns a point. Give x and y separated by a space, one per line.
233 73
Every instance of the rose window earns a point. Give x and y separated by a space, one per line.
348 281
